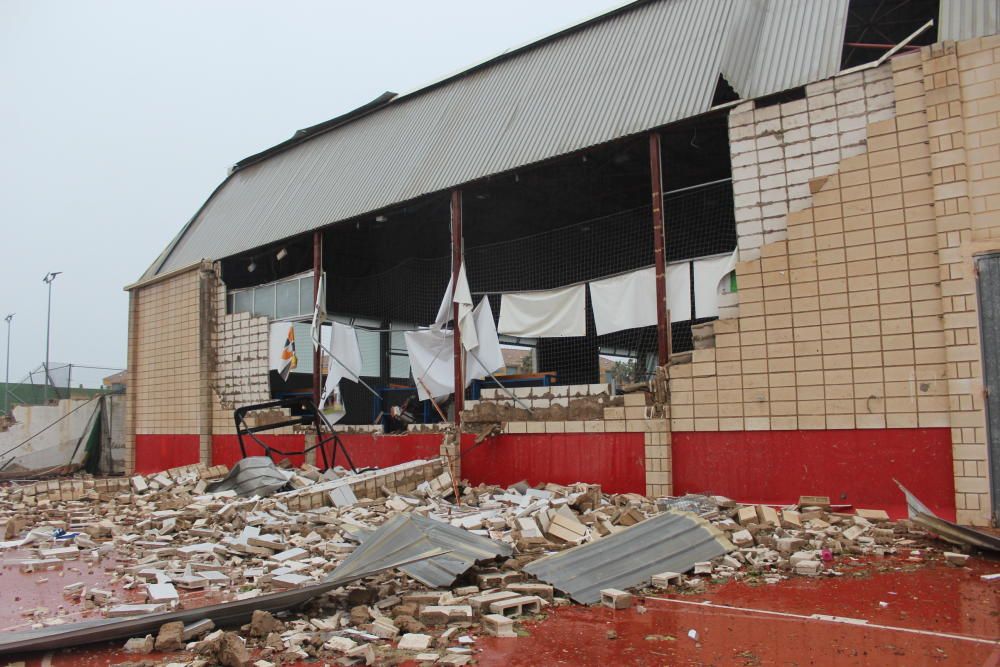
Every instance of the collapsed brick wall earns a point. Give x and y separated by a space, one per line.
860 311
580 409
240 376
402 478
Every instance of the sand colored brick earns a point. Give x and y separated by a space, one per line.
875 270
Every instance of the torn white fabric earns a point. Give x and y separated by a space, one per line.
319 313
487 357
708 274
281 344
679 291
432 361
463 297
554 313
466 320
624 302
445 310
344 356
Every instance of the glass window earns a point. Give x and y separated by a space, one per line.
397 342
243 303
306 301
370 343
263 301
230 303
399 366
399 360
287 300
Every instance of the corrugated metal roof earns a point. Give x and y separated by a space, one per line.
463 548
780 44
639 67
670 542
965 19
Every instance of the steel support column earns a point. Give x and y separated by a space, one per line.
663 334
456 267
317 383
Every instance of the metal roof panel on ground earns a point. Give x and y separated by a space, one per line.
639 67
463 548
670 542
252 476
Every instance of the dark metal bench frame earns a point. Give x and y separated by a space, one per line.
310 416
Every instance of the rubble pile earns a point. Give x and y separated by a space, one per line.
166 542
806 539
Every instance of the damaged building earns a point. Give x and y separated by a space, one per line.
750 248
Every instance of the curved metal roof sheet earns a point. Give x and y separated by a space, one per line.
636 68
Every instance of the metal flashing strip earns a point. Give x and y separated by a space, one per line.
946 530
224 614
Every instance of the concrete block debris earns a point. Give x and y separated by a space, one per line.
498 625
666 579
439 571
616 599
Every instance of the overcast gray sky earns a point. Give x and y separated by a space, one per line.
117 120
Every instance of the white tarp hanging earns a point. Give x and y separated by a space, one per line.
679 291
554 313
281 348
708 273
345 359
487 357
432 361
624 302
463 297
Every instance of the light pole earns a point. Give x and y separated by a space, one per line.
49 277
6 380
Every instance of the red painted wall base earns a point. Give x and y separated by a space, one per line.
616 461
387 450
854 467
613 460
851 467
226 448
154 453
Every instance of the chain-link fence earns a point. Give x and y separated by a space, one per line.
391 299
62 381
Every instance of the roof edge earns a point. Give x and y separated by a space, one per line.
312 131
385 98
160 277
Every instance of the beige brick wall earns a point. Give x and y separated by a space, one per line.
166 384
861 311
962 98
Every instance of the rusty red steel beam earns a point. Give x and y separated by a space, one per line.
456 267
663 335
317 374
